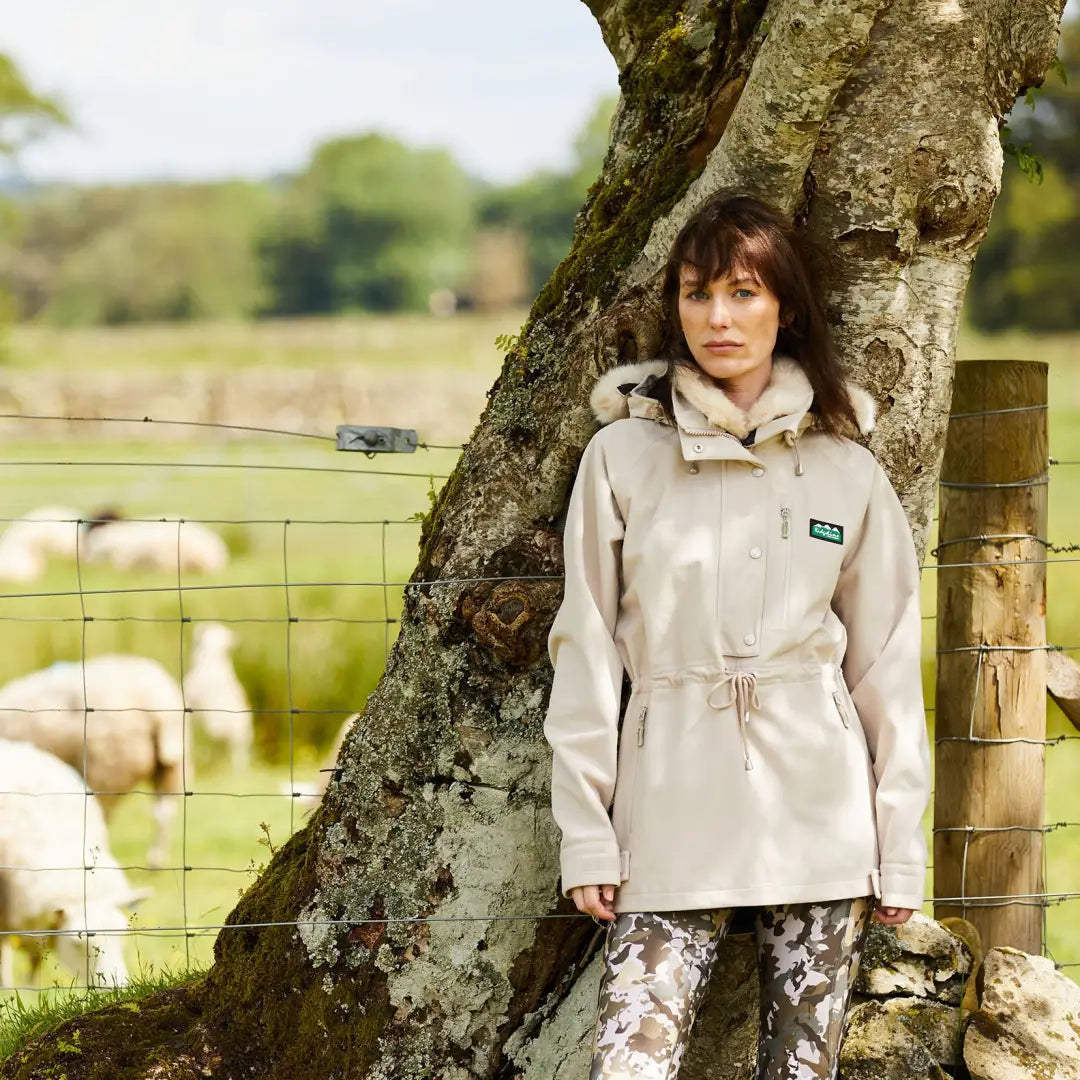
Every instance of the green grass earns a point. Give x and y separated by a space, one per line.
22 1020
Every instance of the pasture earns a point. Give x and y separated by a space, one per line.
310 652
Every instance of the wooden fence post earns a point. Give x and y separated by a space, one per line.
990 714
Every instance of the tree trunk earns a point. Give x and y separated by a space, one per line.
875 124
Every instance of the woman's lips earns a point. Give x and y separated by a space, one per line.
722 346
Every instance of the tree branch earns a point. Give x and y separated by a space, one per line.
810 49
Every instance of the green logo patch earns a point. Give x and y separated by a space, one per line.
823 530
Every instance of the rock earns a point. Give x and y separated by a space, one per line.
937 1025
1028 1024
879 1045
919 958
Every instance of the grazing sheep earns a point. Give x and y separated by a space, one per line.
56 870
164 544
214 693
28 542
119 720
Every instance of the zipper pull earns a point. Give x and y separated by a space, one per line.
641 725
840 708
785 522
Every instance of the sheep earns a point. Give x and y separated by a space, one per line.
29 541
118 720
50 830
213 692
165 544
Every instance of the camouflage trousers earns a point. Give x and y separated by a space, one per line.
658 964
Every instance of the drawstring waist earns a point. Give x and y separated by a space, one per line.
741 686
742 693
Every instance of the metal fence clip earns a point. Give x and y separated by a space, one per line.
376 440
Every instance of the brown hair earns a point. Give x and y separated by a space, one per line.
733 232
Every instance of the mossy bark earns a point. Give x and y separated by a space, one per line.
440 810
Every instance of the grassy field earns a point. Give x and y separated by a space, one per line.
461 343
303 677
336 552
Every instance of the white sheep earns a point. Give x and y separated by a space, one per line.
167 544
118 720
56 870
214 693
28 542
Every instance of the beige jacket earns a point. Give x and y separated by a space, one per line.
763 600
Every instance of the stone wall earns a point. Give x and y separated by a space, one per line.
442 405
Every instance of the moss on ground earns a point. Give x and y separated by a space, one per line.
122 1042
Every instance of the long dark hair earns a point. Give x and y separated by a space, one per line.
734 232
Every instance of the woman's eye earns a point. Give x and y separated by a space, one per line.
698 294
744 294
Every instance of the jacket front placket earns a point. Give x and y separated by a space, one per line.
741 502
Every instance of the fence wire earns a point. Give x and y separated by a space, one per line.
97 582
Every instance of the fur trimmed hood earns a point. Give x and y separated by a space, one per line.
789 392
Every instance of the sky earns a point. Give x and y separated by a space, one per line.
210 88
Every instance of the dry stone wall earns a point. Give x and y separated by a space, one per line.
441 404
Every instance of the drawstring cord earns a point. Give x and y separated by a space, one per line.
742 688
792 439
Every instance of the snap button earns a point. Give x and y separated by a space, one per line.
758 470
698 448
749 639
755 553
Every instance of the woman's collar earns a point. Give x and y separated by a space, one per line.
788 394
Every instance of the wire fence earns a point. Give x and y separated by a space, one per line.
227 608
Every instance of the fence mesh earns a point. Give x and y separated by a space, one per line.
302 609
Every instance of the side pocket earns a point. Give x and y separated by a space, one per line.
842 698
839 703
631 746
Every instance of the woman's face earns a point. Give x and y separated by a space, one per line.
730 324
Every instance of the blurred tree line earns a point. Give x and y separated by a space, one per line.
369 224
1027 274
372 224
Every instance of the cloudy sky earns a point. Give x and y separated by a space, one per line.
206 88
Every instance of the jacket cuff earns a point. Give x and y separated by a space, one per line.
589 864
903 886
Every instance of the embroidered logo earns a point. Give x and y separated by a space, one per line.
823 530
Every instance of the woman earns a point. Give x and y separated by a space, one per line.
752 572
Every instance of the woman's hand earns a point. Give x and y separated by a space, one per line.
892 916
595 900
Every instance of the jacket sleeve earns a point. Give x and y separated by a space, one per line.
583 712
877 599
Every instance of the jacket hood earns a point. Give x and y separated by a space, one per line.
789 391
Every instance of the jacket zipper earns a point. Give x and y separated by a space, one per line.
840 708
785 534
641 725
